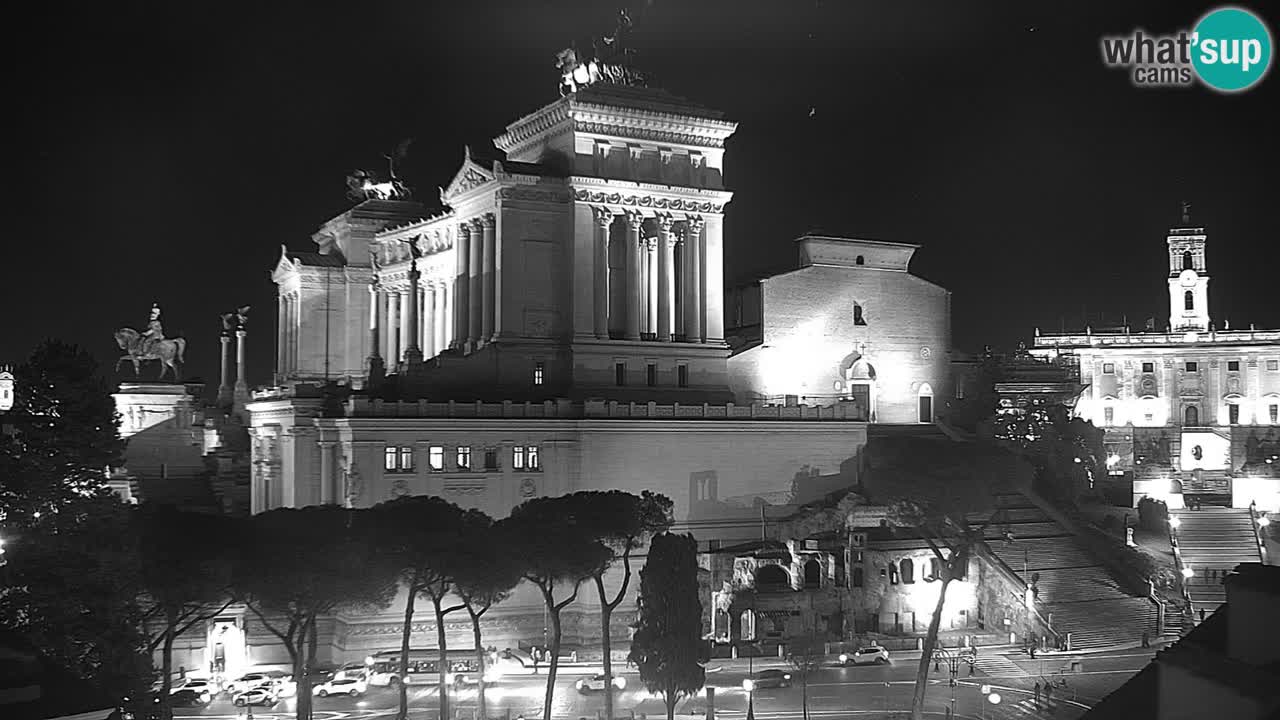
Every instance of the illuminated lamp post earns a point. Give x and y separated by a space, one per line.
750 686
988 696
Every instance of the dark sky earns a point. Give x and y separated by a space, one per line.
165 150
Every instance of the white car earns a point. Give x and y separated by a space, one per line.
247 682
200 685
870 655
595 683
254 696
355 687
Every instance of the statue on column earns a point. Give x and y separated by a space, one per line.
242 317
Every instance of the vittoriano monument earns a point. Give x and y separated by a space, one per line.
151 345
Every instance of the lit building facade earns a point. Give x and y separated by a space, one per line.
1193 410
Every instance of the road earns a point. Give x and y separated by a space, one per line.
832 692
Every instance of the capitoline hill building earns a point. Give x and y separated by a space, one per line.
1192 411
559 324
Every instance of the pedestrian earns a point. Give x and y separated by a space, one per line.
1037 691
1146 639
1048 693
1033 651
971 664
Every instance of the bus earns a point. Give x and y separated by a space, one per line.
384 667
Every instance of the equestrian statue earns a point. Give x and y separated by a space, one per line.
151 345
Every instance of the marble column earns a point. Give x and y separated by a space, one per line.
634 278
713 278
475 289
393 326
402 319
488 277
224 387
375 301
295 321
603 218
666 286
447 314
327 494
461 286
442 316
412 320
651 268
426 311
242 386
282 308
693 255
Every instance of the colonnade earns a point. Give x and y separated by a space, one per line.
665 278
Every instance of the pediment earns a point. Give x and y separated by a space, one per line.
469 177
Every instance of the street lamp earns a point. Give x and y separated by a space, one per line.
750 686
1175 522
1187 572
1264 521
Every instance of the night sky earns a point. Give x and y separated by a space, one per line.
166 150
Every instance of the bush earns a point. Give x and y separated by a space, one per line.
1152 514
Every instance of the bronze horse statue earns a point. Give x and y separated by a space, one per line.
168 352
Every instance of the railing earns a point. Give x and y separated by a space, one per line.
1011 574
1256 521
591 409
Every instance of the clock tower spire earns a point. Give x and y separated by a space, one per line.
1188 276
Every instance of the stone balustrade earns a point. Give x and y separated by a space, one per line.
601 409
1172 338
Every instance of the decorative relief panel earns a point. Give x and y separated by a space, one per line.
637 133
528 488
647 201
519 192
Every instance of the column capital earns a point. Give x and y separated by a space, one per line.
650 243
488 220
665 223
603 216
695 223
634 220
464 228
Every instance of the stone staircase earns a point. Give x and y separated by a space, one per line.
1076 592
1212 542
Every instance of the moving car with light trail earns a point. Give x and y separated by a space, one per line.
355 687
255 696
772 679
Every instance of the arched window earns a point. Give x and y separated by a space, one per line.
858 319
1191 416
935 569
859 260
857 577
1188 262
812 574
773 577
1189 300
908 569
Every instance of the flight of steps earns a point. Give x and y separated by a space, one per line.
1213 541
1075 589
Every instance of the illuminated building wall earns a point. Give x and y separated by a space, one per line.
851 325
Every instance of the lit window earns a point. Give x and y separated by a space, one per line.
406 459
1108 368
524 457
531 454
1193 367
651 374
1233 366
435 457
1109 416
619 374
398 458
1148 367
517 457
389 459
464 458
682 375
537 373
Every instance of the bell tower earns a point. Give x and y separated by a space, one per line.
1188 276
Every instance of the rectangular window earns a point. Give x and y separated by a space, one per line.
1108 368
531 455
1109 416
464 458
490 459
517 457
1148 367
1233 366
1233 414
1274 410
682 375
406 459
538 369
1273 365
398 458
389 459
651 374
619 374
1193 367
435 458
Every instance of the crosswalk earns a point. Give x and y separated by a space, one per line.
995 665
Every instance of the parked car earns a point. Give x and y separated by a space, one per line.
255 696
247 682
869 655
355 687
595 683
199 685
351 669
190 697
772 679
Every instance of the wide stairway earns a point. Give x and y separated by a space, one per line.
1075 590
1213 541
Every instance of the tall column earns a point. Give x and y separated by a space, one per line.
242 386
426 311
634 278
461 286
412 320
651 275
402 318
488 276
376 368
603 218
666 286
713 278
327 494
475 300
224 387
447 314
282 308
439 324
393 326
295 322
693 254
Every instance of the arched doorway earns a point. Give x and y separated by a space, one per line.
860 383
772 577
813 574
924 401
1191 416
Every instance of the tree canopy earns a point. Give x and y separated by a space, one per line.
667 645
